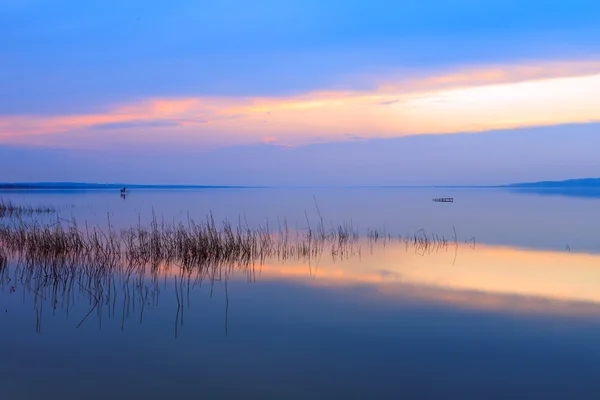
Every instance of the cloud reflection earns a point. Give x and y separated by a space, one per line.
486 277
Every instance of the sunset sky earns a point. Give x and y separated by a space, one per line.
299 92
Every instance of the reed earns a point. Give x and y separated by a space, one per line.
3 261
62 262
192 245
10 209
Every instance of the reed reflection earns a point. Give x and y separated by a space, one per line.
121 274
105 275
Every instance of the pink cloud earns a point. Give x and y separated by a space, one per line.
471 99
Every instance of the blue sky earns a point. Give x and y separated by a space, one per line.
214 77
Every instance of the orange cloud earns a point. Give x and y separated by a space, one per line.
469 100
487 75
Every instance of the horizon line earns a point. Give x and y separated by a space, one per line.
90 185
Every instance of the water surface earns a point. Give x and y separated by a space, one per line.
508 308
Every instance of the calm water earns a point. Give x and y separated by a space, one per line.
512 311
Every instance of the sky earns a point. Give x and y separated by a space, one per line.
299 92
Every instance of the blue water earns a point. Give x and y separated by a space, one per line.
495 216
295 336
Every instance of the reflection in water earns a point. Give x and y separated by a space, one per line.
59 261
121 293
592 192
460 275
123 288
321 315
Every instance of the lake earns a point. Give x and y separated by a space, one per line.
496 295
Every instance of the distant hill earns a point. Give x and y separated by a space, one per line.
570 183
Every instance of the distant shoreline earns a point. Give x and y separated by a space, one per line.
584 183
93 186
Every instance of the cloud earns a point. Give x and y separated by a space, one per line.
146 113
500 157
138 124
471 76
69 57
480 99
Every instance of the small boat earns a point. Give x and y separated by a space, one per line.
444 200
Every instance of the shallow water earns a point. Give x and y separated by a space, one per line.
514 312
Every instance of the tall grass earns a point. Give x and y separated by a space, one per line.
62 261
10 209
193 244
